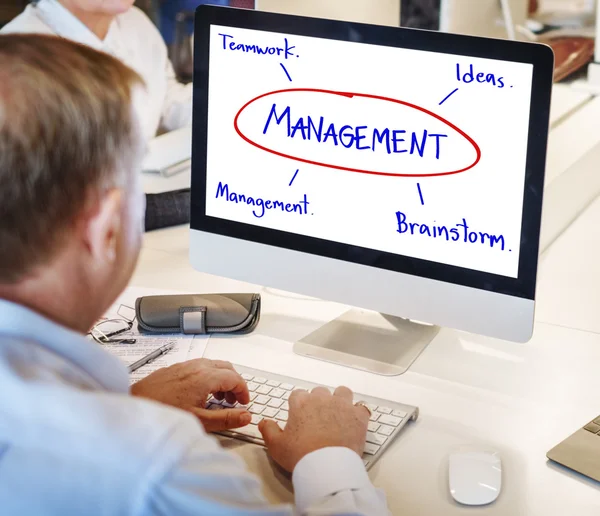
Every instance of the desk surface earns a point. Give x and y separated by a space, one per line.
519 399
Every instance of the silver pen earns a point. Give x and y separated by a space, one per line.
163 350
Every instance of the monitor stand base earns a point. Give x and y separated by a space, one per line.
369 341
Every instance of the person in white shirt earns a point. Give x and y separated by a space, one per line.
75 439
124 31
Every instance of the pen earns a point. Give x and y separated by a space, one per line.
163 350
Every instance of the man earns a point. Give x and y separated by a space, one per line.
73 439
124 31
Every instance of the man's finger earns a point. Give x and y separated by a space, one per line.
226 419
225 380
344 392
297 397
222 364
230 398
270 431
321 391
365 412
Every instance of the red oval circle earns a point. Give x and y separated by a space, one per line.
351 95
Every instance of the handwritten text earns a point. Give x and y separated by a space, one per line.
262 205
360 137
461 232
285 51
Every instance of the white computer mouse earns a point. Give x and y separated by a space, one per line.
475 477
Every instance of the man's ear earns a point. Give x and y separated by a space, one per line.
103 227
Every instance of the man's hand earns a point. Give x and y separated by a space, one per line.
188 385
316 420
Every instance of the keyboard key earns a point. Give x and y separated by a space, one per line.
385 430
373 426
399 413
374 416
226 404
376 438
384 410
275 402
253 396
260 379
366 462
285 406
597 420
286 386
256 409
264 389
262 399
282 415
256 418
592 427
371 448
287 395
273 383
372 407
215 401
389 420
277 393
249 430
270 412
214 406
252 386
247 376
282 424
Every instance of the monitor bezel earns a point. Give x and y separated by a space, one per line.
540 56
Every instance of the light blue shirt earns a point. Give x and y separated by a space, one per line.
73 441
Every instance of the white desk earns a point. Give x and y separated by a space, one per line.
520 399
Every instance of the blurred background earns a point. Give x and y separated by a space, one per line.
567 25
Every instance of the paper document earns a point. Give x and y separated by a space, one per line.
185 346
145 345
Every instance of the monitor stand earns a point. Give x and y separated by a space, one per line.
370 341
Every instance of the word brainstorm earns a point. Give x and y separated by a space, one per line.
459 233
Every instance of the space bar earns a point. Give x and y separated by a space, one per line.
249 431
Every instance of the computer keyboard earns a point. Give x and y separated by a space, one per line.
593 426
269 394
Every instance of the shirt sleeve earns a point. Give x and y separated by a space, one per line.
209 480
177 108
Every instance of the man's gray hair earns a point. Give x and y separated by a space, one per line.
67 133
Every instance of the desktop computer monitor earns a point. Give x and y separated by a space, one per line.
398 171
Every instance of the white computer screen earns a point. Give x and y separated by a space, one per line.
414 153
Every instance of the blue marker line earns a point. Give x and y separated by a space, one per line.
420 194
294 177
286 72
446 97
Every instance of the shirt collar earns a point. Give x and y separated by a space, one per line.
87 356
67 25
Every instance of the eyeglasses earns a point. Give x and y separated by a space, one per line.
115 330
